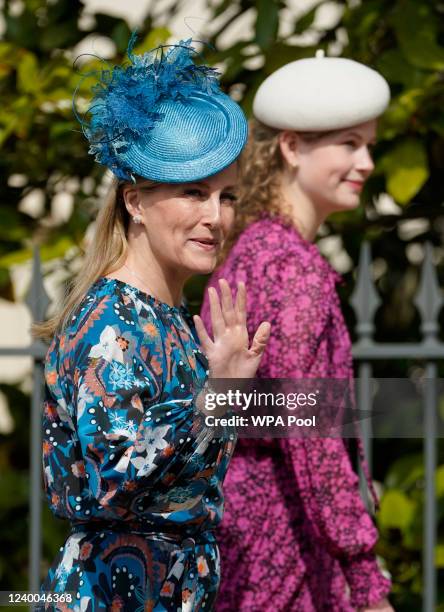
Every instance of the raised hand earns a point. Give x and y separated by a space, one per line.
382 606
229 354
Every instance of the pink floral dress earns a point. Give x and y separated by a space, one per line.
295 535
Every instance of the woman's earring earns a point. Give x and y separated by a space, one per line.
137 219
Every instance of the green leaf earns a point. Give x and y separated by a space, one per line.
60 35
23 29
28 74
120 35
57 75
47 252
363 19
16 257
267 23
65 128
15 489
305 21
153 39
398 116
7 51
57 248
439 555
406 169
12 228
397 510
280 54
396 69
8 124
405 472
221 8
416 27
5 284
438 125
439 481
8 59
56 94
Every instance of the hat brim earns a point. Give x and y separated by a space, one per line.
196 138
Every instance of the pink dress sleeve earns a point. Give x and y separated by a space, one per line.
299 299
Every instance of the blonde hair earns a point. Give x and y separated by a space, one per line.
107 252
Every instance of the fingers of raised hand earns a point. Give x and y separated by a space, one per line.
382 606
241 303
217 319
260 338
228 311
202 333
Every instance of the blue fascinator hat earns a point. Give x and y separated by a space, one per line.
164 118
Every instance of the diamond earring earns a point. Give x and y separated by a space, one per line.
137 219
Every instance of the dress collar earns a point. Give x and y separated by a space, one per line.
296 237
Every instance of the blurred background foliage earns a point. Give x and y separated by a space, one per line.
43 164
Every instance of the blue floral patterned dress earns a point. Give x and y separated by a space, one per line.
128 459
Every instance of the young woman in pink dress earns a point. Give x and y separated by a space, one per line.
296 535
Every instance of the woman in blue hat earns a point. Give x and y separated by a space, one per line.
127 457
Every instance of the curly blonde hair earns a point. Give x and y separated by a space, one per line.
260 167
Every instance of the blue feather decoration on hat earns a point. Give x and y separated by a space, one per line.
124 105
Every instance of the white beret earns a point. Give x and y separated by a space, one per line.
321 93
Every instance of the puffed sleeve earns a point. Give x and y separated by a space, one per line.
129 410
297 300
62 460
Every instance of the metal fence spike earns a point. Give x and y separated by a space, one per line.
37 298
365 299
428 298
